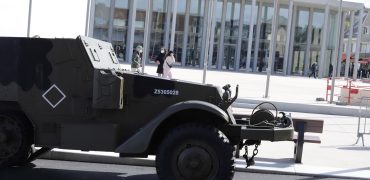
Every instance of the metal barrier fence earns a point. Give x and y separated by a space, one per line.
341 83
362 127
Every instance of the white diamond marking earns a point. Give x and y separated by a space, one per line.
47 100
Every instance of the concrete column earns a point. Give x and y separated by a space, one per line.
173 27
146 42
220 54
307 56
130 30
337 48
186 33
358 43
287 40
291 41
212 38
277 14
341 45
111 17
257 41
250 36
167 25
349 44
204 32
324 39
92 17
240 34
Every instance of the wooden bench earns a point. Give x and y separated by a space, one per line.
301 126
305 125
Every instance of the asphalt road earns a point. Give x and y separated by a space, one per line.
66 170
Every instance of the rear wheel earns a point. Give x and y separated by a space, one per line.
15 140
195 152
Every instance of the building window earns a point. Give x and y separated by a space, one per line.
196 21
231 34
120 25
300 40
217 31
158 22
245 35
101 19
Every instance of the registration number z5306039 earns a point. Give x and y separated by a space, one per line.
166 92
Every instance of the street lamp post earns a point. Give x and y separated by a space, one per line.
87 18
208 39
29 18
272 48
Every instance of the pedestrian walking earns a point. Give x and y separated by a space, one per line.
167 65
351 68
136 59
330 70
260 66
313 70
159 60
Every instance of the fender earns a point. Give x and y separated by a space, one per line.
140 141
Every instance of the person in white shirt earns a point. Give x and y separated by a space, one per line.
167 65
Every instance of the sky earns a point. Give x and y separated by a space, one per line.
50 18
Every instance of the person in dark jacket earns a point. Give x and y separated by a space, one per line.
313 70
330 70
159 60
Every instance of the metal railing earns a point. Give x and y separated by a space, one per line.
362 128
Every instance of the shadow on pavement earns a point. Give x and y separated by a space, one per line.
269 162
355 148
275 163
30 173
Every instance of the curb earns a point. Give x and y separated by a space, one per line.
150 162
304 108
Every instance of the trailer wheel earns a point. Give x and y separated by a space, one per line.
195 152
15 140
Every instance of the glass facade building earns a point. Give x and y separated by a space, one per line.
305 32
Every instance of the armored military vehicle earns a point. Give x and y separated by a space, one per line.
73 94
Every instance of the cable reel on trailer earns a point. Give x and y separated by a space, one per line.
263 117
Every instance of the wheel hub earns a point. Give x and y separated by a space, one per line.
10 137
194 163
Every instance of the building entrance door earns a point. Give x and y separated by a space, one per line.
229 56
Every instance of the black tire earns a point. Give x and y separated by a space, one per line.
196 152
15 140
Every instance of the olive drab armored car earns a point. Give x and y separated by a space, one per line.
73 94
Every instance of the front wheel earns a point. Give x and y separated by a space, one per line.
195 152
15 140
